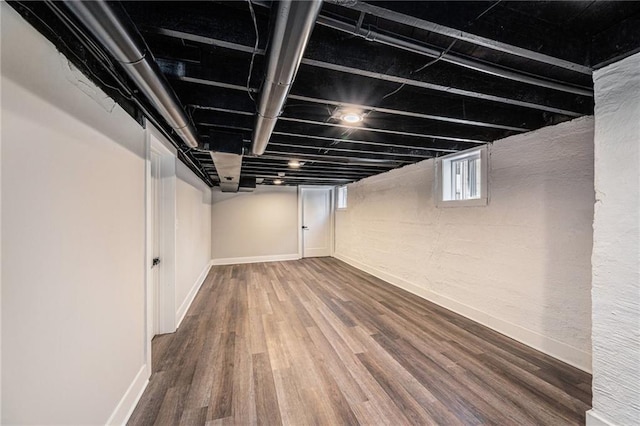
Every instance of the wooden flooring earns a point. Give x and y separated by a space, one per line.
316 341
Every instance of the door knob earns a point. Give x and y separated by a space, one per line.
305 227
156 260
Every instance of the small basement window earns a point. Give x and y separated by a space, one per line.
462 178
341 196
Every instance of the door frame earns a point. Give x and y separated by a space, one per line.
156 143
332 211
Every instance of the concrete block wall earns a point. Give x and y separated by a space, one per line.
616 246
520 265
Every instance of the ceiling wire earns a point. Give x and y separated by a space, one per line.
428 64
484 13
393 92
255 49
190 109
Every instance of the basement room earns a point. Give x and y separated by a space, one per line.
336 212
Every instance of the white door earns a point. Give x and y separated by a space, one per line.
155 240
316 222
160 311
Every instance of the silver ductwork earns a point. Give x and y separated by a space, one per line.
115 31
293 25
228 167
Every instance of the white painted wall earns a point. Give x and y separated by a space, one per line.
193 237
255 226
520 265
0 237
616 246
73 239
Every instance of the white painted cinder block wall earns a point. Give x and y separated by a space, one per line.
616 246
520 265
257 226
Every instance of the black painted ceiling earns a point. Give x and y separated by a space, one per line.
493 69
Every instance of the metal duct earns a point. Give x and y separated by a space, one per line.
226 153
293 26
228 167
111 26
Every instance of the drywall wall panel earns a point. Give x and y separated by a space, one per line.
255 226
0 247
193 236
520 265
616 244
72 242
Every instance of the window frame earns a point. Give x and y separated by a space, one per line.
346 195
441 168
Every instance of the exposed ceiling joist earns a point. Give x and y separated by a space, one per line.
461 35
335 148
388 131
363 142
304 178
438 88
331 159
392 111
412 46
339 103
345 159
310 173
394 41
374 74
308 165
354 128
424 79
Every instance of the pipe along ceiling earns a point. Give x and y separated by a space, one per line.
294 22
118 35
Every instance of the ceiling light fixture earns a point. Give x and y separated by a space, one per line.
351 117
295 164
277 182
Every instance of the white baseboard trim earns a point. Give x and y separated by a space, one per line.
255 259
182 310
595 419
551 347
129 400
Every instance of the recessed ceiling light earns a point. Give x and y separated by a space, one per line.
277 182
295 164
351 117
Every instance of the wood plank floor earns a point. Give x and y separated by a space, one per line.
316 341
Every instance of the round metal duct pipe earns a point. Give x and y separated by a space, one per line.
291 33
111 26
